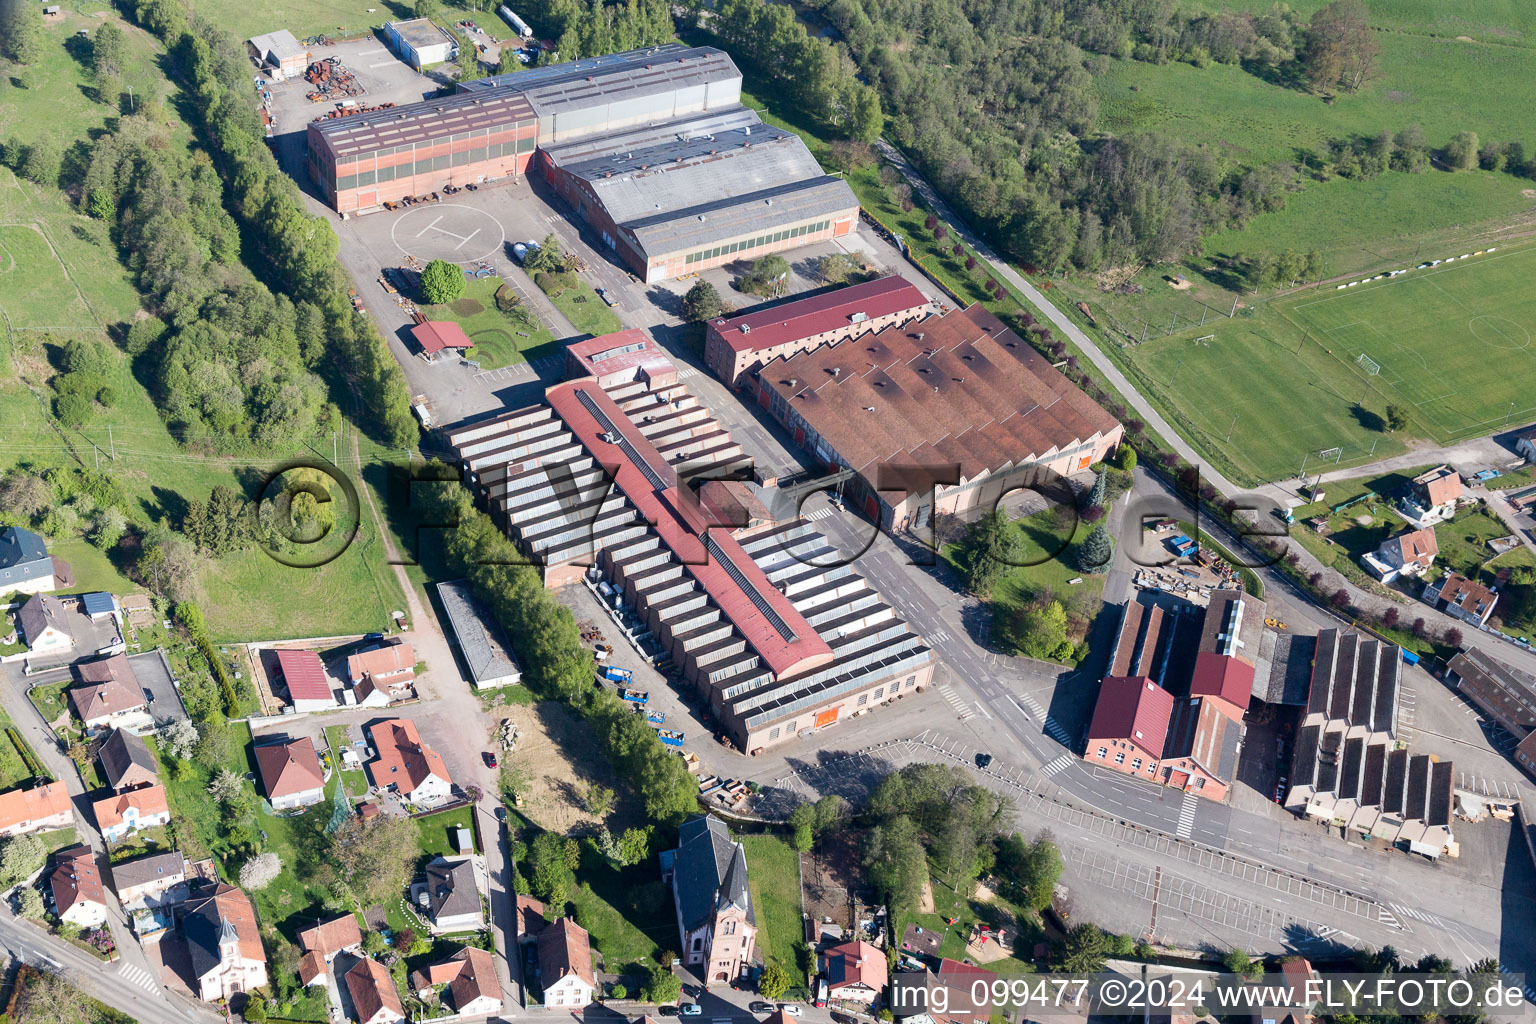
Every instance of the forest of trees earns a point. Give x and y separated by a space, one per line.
995 101
232 361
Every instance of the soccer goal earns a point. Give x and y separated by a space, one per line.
1371 366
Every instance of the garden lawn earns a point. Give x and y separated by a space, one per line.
355 781
1464 542
586 312
1048 550
627 911
14 754
773 872
499 341
969 912
438 831
50 700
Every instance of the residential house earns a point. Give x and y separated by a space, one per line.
44 625
154 880
374 999
964 999
1462 598
1431 497
407 765
122 814
223 944
35 810
303 675
715 918
368 694
565 965
78 895
109 696
25 567
1295 973
387 666
126 761
453 896
1410 553
323 941
470 976
290 773
855 971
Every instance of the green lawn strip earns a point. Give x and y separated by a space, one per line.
50 700
1464 542
1251 582
438 831
628 911
137 844
586 312
773 873
18 761
57 839
1509 481
355 781
499 341
92 568
967 912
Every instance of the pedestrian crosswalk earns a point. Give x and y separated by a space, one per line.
1031 705
686 372
939 636
138 976
961 707
1060 764
1418 915
820 513
1057 732
1186 826
1530 990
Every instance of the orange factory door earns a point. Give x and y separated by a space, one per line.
826 717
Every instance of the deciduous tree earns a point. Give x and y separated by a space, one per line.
441 282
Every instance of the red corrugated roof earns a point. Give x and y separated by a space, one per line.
1222 676
304 675
682 529
589 354
436 335
1132 708
805 318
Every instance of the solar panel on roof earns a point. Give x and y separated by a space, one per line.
753 594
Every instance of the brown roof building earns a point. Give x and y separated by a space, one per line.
109 689
735 347
127 762
957 402
374 999
290 773
1462 598
1504 693
78 895
122 813
565 964
470 975
408 765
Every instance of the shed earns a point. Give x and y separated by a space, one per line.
420 42
98 604
438 336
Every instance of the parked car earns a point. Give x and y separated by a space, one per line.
519 252
1280 788
501 813
149 695
690 1009
490 759
760 1006
843 1018
667 1011
982 760
790 1009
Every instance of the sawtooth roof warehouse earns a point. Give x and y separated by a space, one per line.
651 147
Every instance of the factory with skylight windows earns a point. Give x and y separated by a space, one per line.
652 148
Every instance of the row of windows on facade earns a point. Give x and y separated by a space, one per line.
479 135
753 243
390 172
1136 766
789 729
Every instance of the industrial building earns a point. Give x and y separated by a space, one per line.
595 482
651 147
942 416
1171 709
364 160
420 43
279 54
735 348
1505 694
1348 768
484 646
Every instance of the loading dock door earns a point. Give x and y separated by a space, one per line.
826 718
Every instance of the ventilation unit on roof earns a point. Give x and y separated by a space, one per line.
921 335
837 371
857 318
747 130
746 328
869 408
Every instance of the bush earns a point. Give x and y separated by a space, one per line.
74 410
553 282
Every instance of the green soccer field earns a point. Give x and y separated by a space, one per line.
1263 392
1453 342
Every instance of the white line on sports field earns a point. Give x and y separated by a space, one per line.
1420 276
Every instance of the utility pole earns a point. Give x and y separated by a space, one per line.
1234 308
1303 474
131 106
1144 326
1511 413
1203 310
1232 427
333 447
1174 324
